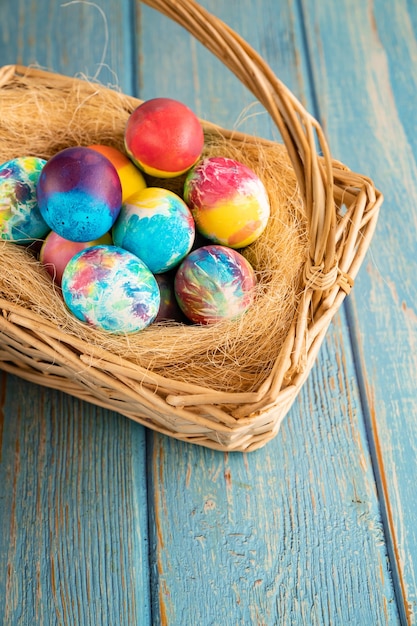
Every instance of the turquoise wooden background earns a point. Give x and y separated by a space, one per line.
105 523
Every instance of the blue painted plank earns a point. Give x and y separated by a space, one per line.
176 65
77 37
290 534
232 536
73 498
238 531
73 538
368 109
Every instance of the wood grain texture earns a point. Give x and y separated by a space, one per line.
174 63
293 533
73 535
369 117
77 37
241 531
290 534
73 499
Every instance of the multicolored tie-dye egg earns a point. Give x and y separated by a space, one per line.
164 137
20 218
157 226
57 251
79 194
131 178
214 283
228 200
110 289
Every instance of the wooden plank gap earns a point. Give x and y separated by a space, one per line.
366 394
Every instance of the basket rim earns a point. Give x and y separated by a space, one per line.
229 415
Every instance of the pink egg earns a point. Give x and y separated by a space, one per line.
164 137
57 251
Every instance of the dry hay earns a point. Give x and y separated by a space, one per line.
41 117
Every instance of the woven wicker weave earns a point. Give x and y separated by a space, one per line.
36 350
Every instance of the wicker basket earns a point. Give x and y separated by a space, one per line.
36 350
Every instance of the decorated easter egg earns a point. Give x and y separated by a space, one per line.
111 289
214 283
169 308
228 200
164 137
20 218
57 251
157 226
132 179
79 194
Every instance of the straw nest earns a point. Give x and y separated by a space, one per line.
42 117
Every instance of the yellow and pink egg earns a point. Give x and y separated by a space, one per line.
228 200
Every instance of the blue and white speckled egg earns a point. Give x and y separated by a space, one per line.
111 289
157 226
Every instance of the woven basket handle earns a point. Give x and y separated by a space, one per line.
299 130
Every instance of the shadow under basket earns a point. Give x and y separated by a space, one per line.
142 377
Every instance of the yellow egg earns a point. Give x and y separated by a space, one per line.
132 180
229 202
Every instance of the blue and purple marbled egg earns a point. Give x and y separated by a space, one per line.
79 194
111 289
20 218
214 283
157 226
